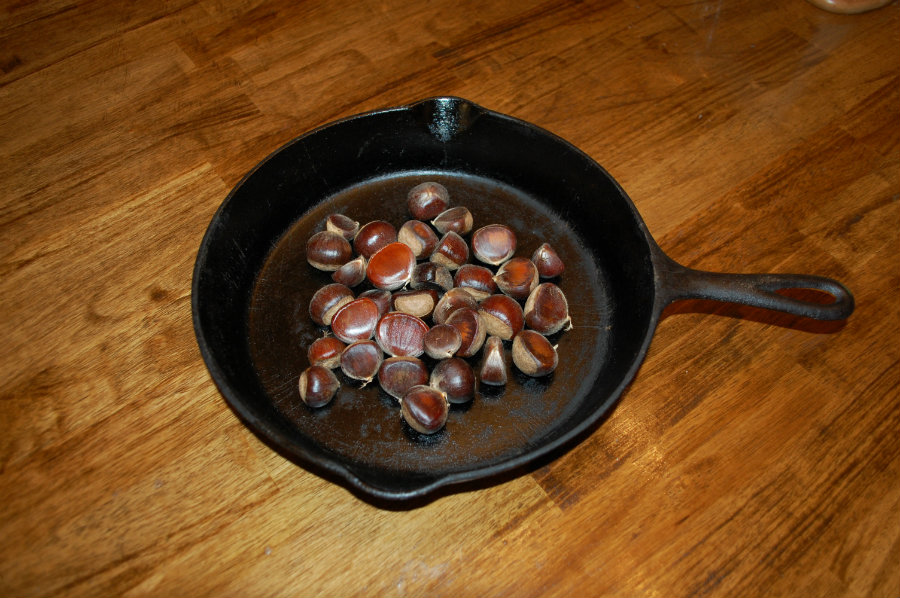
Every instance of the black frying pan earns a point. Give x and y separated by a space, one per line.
252 286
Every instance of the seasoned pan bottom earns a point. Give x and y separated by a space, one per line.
362 426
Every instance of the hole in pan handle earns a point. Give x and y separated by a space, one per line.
757 290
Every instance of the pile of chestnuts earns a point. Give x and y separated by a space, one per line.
428 298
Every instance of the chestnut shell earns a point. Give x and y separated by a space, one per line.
425 409
399 333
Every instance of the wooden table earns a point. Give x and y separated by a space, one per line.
754 453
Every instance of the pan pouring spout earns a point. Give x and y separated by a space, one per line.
447 117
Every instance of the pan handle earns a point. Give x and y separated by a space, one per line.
757 290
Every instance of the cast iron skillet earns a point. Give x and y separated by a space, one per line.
252 287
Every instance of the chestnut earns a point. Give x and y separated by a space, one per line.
328 251
493 366
425 409
325 351
352 273
381 298
419 237
533 354
317 386
417 302
454 377
458 220
391 266
502 316
478 280
546 310
471 329
355 321
426 200
373 236
398 333
451 251
343 225
327 300
430 274
547 261
517 277
361 360
451 301
398 374
494 244
442 341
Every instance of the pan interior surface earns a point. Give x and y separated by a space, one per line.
252 287
362 424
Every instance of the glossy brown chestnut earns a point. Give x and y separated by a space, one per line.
355 321
426 200
398 374
328 251
546 310
325 351
317 386
478 280
430 274
398 333
451 252
419 237
502 316
454 377
517 277
425 409
533 354
391 266
442 341
416 302
381 298
343 225
458 220
327 300
471 329
493 366
451 301
352 273
361 360
493 244
373 236
547 261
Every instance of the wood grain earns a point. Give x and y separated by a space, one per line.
754 453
